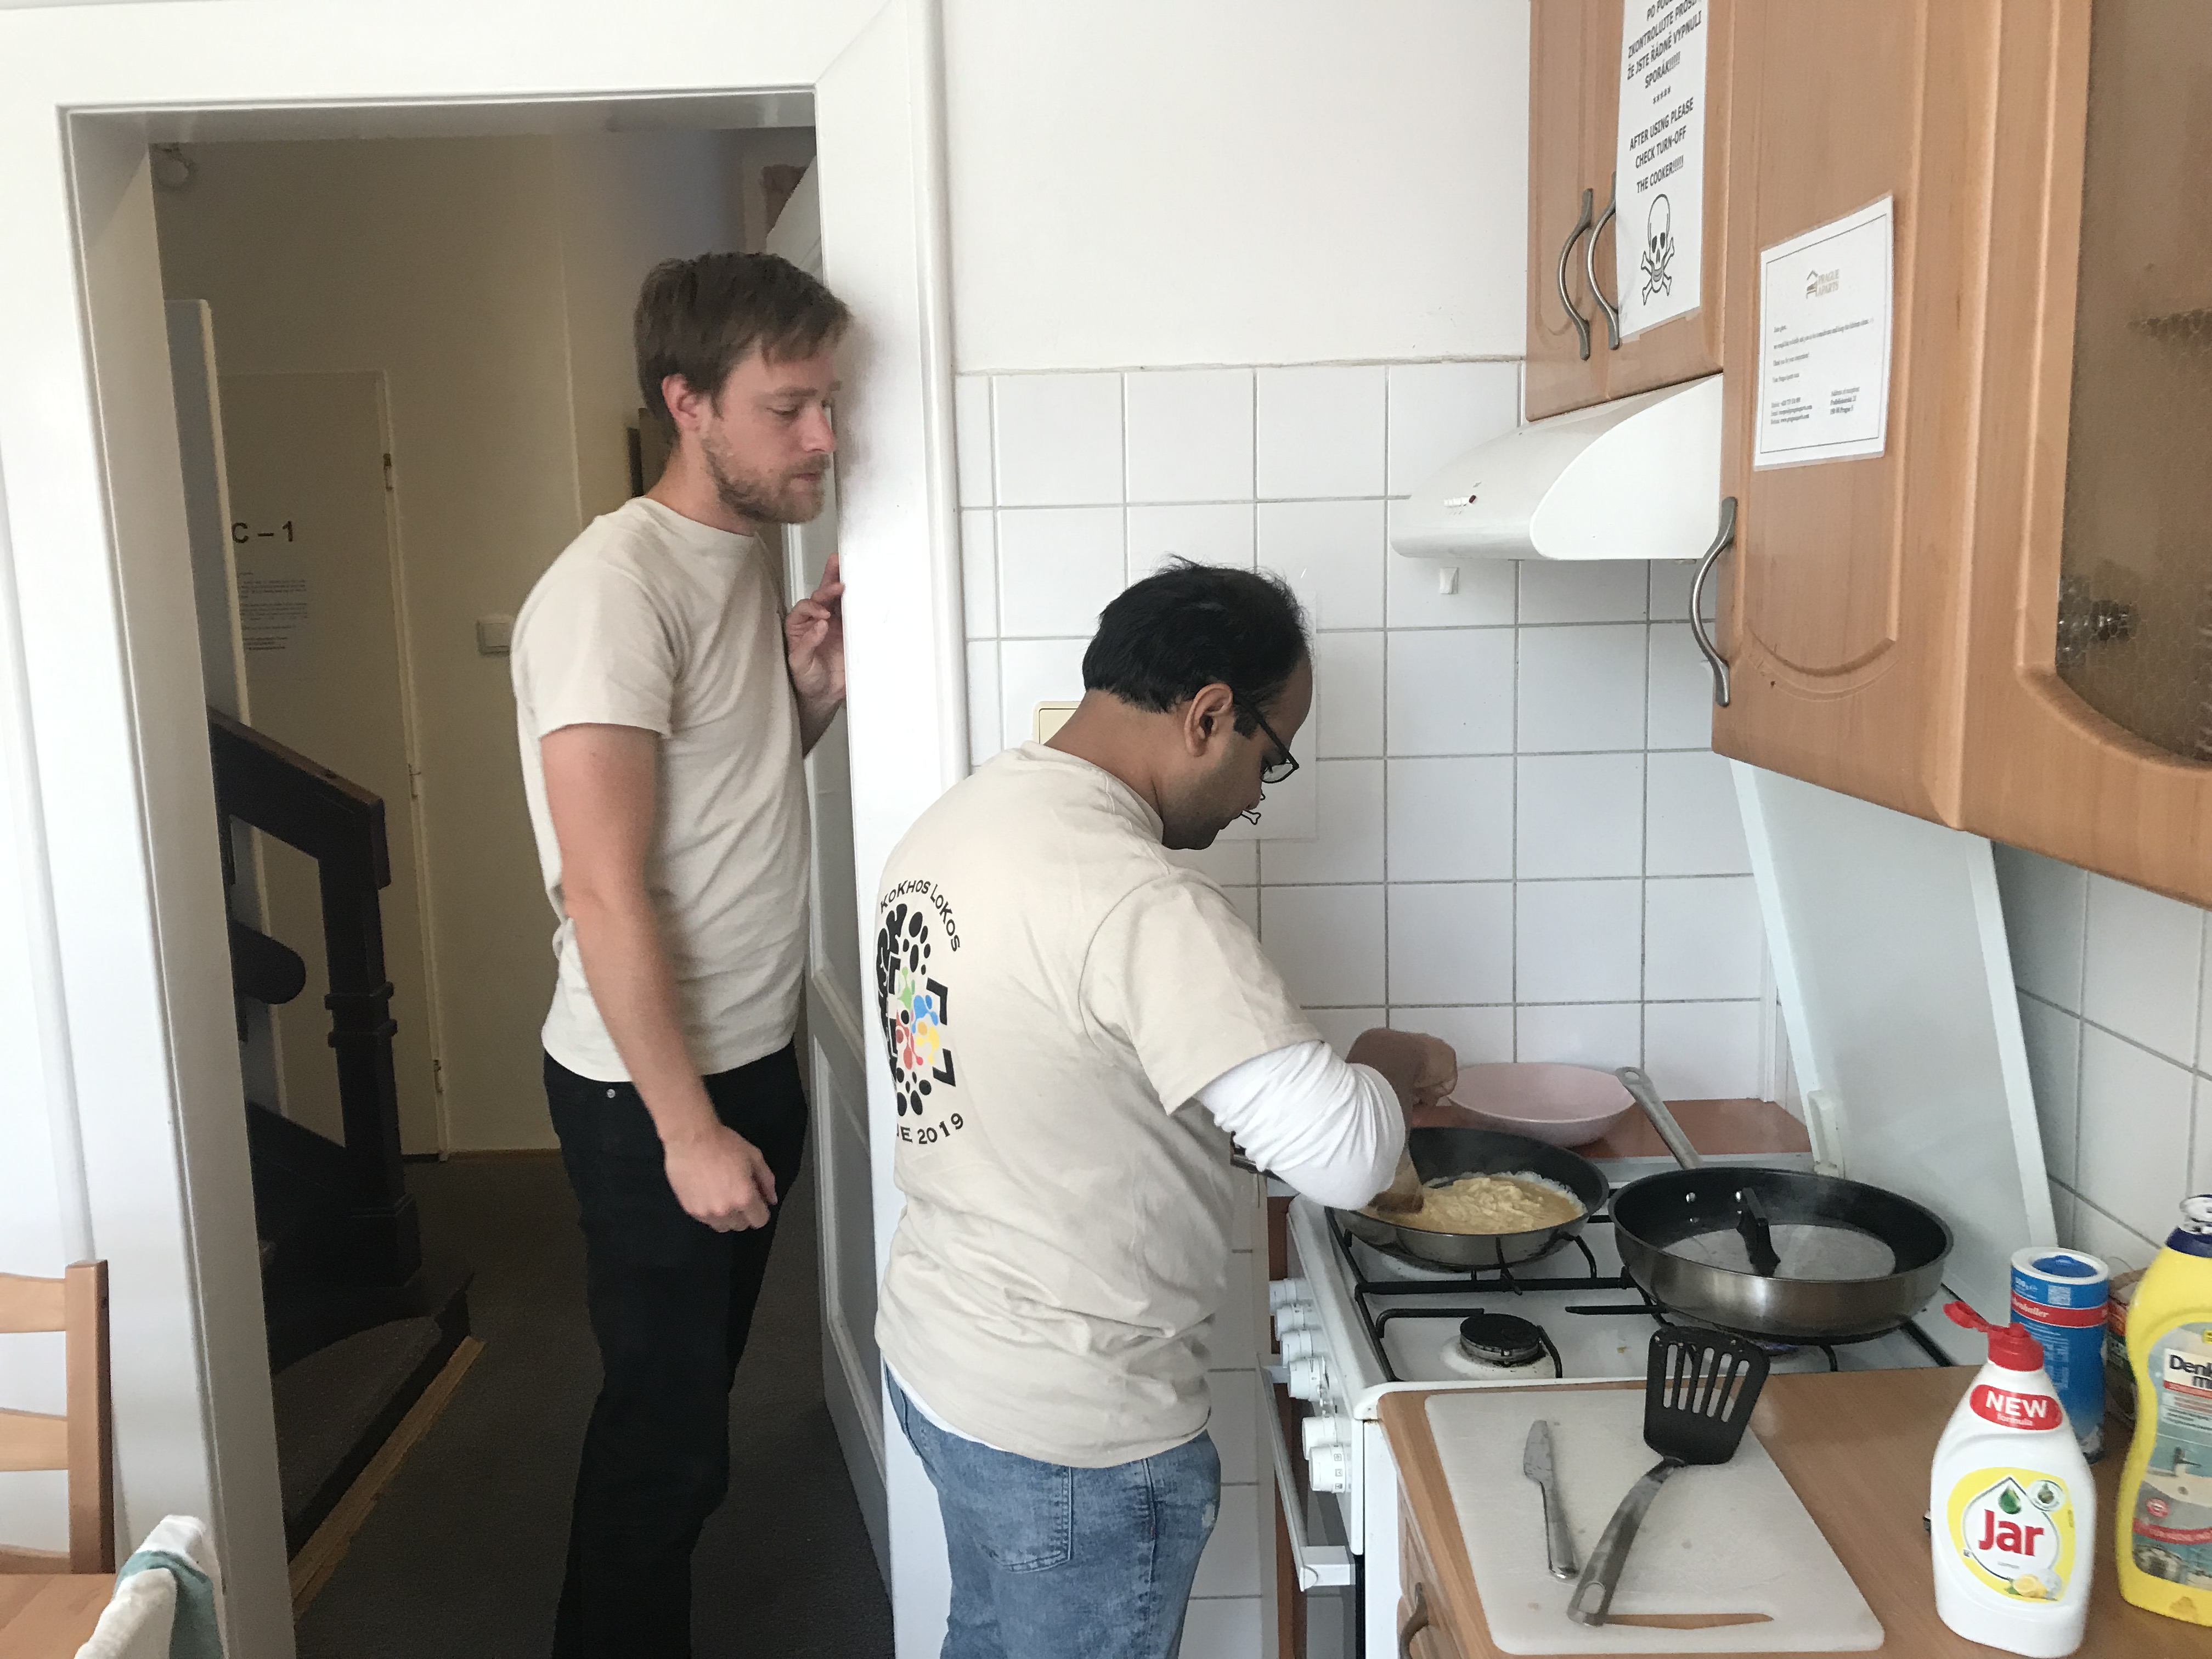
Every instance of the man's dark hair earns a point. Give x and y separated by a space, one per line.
1168 638
698 317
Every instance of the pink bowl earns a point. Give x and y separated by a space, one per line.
1562 1105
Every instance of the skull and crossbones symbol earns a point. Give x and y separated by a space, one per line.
1659 248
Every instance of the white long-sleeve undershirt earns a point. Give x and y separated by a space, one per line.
1331 1129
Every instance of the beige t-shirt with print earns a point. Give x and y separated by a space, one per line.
651 619
1054 991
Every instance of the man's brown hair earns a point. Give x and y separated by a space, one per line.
698 317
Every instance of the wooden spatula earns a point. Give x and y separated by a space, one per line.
1403 1195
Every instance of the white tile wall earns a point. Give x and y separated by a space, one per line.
1210 532
1451 819
1190 435
1350 718
1524 842
1332 554
2117 1010
1320 431
1578 815
1058 566
1327 941
1056 438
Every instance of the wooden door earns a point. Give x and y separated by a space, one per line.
2089 690
1843 606
1686 347
324 657
1565 365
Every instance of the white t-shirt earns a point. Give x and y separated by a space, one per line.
1054 992
1333 1130
653 620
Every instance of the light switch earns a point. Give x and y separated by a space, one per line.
1048 718
495 635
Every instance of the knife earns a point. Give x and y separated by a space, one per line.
1536 1464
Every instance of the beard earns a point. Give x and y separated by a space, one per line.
792 496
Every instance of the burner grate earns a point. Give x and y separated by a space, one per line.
1486 1281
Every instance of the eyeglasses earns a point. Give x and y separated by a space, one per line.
1285 763
1274 771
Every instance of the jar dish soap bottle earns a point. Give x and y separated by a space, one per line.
2013 1511
2164 1512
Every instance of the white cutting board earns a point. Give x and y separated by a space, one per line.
1731 1538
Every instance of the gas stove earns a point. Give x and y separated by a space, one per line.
1573 1315
1354 1322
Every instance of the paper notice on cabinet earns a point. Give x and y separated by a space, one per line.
1659 166
1823 339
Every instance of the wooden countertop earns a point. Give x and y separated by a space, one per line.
1857 1447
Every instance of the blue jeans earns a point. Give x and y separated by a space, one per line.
1051 1562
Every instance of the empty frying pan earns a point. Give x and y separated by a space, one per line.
1773 1252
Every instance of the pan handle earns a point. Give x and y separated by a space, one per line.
1661 1120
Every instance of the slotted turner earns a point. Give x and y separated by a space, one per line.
1698 1391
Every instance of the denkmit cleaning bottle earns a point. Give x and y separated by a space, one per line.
2164 1512
2013 1512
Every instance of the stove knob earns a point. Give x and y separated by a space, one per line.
1329 1469
1300 1345
1319 1432
1297 1319
1308 1378
1288 1292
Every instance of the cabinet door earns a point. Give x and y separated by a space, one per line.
2089 710
1424 1629
1567 362
1843 610
1686 347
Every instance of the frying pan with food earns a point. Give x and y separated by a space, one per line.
1443 1154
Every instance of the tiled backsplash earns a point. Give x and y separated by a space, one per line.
1524 842
2116 1001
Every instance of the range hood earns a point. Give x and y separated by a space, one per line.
1635 478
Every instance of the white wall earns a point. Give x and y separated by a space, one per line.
1149 182
2115 1001
1526 844
492 280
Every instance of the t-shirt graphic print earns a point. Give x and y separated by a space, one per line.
916 1003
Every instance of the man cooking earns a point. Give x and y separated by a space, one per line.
1076 1025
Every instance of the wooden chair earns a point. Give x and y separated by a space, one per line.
83 1441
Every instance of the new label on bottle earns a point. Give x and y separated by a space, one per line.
2013 1528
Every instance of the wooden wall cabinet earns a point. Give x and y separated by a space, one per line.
1578 357
1893 624
2089 671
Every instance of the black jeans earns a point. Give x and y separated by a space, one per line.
671 1301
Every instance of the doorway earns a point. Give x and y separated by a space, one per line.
377 527
131 1039
321 620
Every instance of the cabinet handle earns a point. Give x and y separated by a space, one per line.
1589 270
1416 1622
1713 658
1581 323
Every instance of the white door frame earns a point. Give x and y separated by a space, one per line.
124 1030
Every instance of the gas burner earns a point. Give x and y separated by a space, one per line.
1496 1347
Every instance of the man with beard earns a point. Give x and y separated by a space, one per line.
664 706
